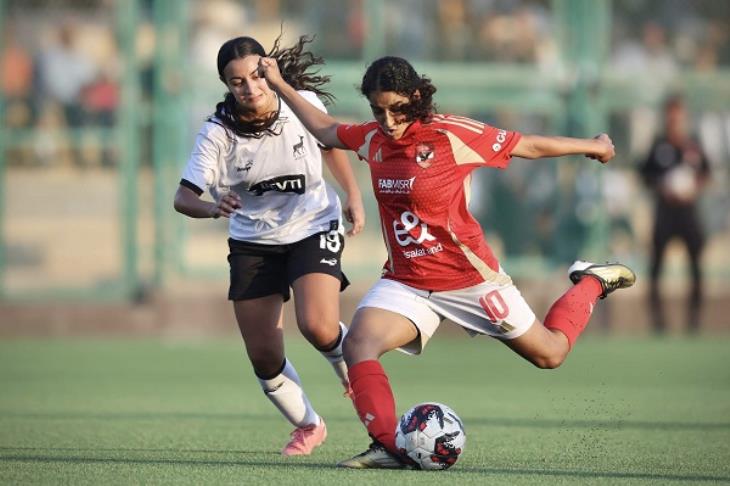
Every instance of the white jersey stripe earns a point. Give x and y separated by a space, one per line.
391 263
463 154
480 265
462 125
364 149
461 119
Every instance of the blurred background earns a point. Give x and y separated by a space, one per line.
101 100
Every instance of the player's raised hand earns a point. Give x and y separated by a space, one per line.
606 151
227 205
269 69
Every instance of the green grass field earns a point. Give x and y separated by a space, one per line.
619 411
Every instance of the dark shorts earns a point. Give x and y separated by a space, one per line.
260 270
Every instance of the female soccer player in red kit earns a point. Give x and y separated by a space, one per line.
439 264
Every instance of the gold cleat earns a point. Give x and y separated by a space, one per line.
612 276
376 457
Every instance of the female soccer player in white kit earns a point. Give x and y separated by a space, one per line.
264 171
439 264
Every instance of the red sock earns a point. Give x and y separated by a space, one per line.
374 401
571 312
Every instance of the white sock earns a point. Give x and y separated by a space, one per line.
286 393
334 356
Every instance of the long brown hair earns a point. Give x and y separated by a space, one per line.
295 64
396 74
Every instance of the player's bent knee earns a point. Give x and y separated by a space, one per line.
548 361
349 347
548 364
319 332
356 348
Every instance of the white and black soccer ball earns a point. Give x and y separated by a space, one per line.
432 435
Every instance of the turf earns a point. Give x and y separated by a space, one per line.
619 411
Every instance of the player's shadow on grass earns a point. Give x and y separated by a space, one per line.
619 424
289 465
593 424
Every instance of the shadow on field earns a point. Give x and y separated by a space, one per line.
29 457
621 424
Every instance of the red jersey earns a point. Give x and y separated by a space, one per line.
421 183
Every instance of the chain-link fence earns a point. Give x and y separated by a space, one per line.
101 101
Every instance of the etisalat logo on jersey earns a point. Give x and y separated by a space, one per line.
287 183
424 155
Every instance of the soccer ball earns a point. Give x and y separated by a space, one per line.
432 435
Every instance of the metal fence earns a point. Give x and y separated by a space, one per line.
101 101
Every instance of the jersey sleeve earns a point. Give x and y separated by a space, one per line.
474 143
354 137
313 99
494 146
201 171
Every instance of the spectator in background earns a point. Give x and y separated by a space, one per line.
16 82
676 171
64 72
17 79
100 101
650 66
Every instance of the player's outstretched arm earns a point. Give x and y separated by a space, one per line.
189 203
340 168
319 124
538 146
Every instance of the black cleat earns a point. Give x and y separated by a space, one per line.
376 457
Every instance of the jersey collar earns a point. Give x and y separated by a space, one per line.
407 137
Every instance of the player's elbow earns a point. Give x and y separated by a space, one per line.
527 148
179 203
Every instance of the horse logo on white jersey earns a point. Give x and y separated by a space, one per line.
298 148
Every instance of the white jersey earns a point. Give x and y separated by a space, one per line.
284 198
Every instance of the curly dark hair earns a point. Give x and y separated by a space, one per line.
396 74
294 63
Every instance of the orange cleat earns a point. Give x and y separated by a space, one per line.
305 439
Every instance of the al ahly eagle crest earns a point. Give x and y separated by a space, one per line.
424 154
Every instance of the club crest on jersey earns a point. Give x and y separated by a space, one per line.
424 155
298 148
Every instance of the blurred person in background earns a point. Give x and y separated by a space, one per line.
264 171
676 171
100 102
17 84
64 72
650 65
439 264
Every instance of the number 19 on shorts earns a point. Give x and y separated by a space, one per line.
330 241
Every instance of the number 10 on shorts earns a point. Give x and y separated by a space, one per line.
494 306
